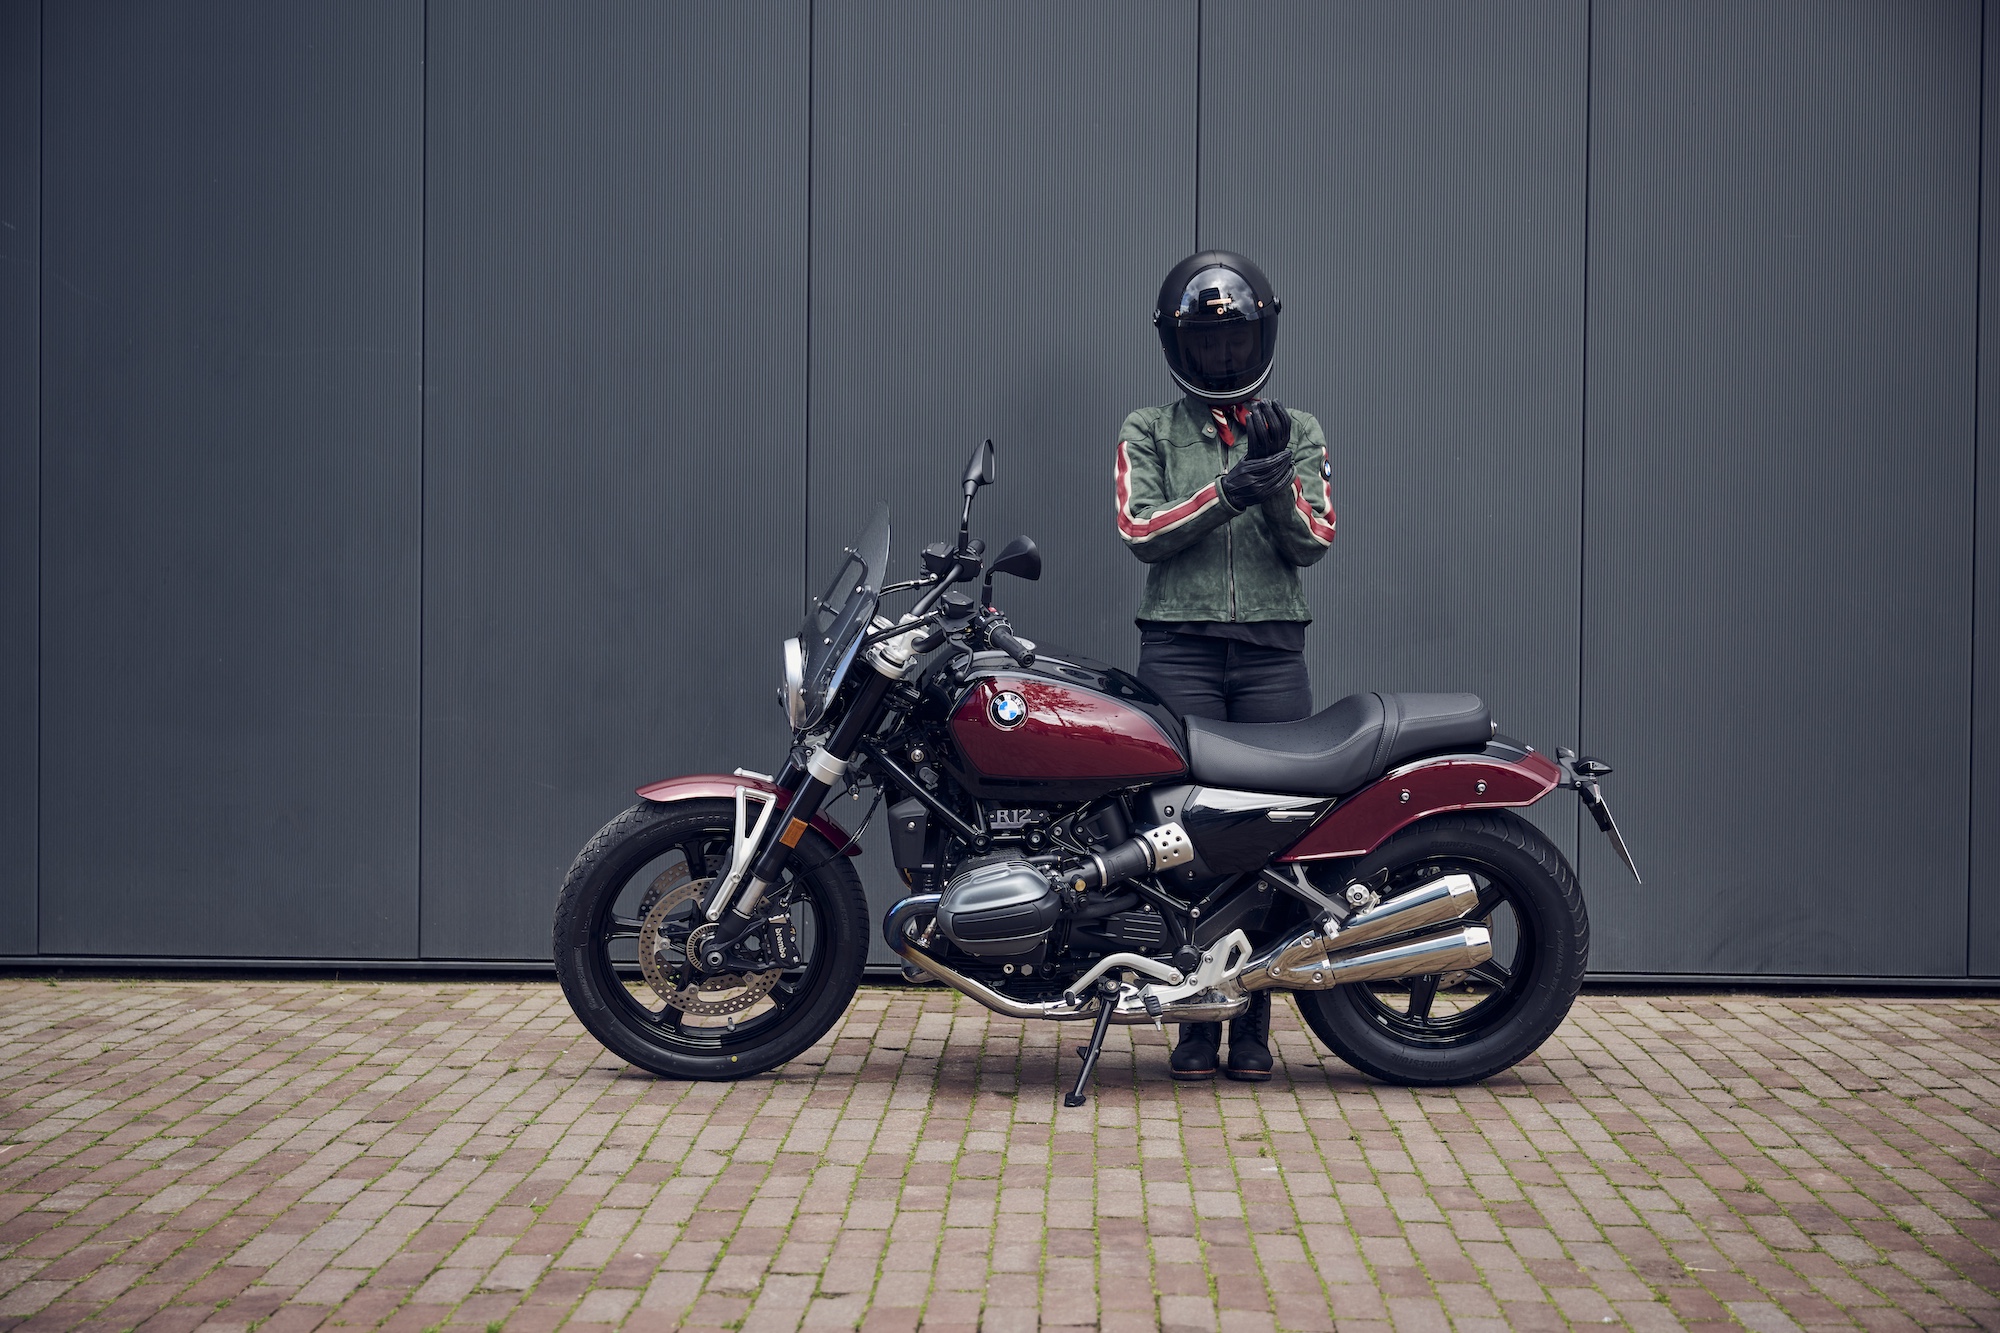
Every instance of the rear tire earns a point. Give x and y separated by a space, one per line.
596 946
1516 1001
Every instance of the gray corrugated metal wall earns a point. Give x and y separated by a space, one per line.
1983 947
1778 516
231 325
615 393
20 485
1646 336
1433 288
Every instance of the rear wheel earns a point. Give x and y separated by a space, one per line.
628 930
1465 1026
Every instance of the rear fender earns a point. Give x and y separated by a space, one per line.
1502 775
709 786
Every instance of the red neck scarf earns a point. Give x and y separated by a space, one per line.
1239 415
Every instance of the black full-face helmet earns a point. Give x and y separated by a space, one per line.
1218 324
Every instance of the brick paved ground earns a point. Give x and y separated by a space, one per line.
278 1156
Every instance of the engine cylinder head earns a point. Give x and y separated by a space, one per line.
998 910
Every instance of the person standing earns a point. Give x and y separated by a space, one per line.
1224 495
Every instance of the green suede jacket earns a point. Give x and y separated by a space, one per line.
1211 560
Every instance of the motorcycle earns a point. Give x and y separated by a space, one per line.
1075 852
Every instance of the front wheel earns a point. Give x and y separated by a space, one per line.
628 932
1463 1027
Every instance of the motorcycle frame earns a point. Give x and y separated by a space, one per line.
1355 826
1505 774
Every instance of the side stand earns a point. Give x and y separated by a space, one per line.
1107 1005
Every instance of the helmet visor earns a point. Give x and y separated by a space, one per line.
1222 359
1220 338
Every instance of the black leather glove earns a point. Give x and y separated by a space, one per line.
1270 428
1254 478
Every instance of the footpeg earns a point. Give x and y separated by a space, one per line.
1107 1005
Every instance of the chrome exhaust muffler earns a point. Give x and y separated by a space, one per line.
1303 963
1446 898
1322 957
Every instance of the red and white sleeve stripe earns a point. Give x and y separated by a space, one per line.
1135 528
1319 522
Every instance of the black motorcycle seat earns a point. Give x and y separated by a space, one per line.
1338 749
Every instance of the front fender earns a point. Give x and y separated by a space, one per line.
1367 819
706 786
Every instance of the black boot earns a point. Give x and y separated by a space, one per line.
1250 1041
1194 1055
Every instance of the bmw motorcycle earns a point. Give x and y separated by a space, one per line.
1075 852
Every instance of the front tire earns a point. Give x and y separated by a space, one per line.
679 1032
1461 1028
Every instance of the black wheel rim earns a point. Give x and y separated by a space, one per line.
614 933
1446 1010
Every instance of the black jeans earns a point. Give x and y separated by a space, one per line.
1200 676
1222 679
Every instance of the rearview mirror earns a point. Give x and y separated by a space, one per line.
979 471
1019 558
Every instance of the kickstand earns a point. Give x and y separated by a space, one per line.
1107 1005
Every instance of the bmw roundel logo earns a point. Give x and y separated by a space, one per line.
1008 710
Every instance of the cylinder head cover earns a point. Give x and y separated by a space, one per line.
998 910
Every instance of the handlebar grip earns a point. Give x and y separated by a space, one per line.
1003 638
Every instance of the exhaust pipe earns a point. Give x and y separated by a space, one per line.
1445 898
896 931
1457 950
1309 961
1064 1010
1305 964
1324 956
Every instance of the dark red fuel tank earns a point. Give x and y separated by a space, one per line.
1068 729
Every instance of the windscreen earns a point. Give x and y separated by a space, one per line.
839 617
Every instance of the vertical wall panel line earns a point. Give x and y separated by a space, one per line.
1197 123
1972 598
1583 404
423 425
1983 870
41 246
805 404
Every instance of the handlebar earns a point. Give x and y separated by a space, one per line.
1001 635
945 567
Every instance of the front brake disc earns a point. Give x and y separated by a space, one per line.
665 961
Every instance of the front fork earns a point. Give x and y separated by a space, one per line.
823 768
